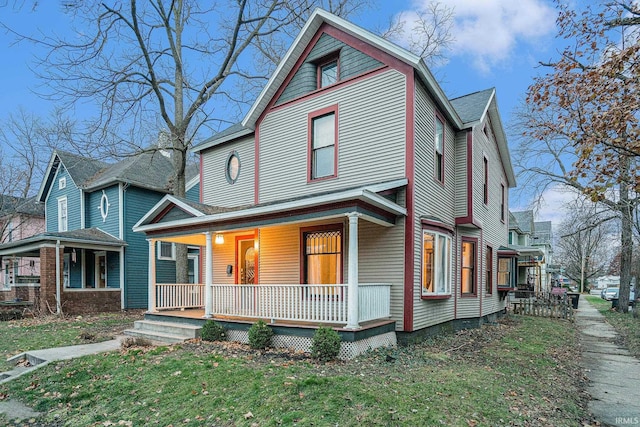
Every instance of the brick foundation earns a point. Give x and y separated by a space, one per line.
87 301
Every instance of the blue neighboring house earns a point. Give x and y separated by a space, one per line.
90 209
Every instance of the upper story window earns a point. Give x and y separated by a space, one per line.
323 144
10 232
62 183
485 185
436 263
232 170
502 202
439 151
468 268
328 71
62 214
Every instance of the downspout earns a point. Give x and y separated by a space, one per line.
58 305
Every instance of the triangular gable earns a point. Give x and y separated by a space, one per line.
299 49
169 208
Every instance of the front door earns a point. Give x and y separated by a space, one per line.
194 276
246 262
101 269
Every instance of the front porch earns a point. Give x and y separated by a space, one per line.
298 303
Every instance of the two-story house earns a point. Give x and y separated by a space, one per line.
530 258
19 218
90 259
354 193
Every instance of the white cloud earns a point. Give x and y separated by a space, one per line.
489 31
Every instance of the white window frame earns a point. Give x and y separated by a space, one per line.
62 183
159 251
440 261
63 221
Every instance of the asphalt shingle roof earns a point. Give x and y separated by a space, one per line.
150 170
10 205
471 107
525 220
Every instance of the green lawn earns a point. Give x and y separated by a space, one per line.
521 372
38 333
627 327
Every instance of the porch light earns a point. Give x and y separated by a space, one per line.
219 239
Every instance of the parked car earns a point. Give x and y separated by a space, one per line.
602 292
611 293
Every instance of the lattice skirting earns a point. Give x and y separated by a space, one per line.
348 350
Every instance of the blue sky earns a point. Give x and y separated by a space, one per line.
498 43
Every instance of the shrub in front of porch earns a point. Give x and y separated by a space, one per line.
325 345
212 331
260 335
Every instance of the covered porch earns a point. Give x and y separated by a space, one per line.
80 271
285 263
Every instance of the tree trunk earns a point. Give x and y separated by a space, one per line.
626 250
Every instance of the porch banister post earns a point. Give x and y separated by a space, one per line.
152 275
352 313
208 276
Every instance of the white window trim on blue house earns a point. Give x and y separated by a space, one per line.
166 257
63 219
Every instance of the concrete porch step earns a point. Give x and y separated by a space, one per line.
166 332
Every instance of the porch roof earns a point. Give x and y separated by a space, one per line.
87 238
198 218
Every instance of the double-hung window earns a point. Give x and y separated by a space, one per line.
323 144
485 185
468 268
62 214
167 251
436 263
504 272
439 150
489 270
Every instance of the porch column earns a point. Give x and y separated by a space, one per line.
352 313
58 281
152 275
208 276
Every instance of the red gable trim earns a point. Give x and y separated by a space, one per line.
469 218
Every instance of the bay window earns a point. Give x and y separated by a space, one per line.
436 264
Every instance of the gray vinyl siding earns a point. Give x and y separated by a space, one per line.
381 260
495 232
280 255
93 217
461 174
352 63
72 193
217 190
431 199
137 203
371 139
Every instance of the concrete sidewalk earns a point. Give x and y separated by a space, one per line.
38 358
613 373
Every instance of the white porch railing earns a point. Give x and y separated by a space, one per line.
302 303
172 296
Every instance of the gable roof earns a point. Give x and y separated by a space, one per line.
313 24
151 170
472 107
10 205
462 112
525 220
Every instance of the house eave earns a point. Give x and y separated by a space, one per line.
366 195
